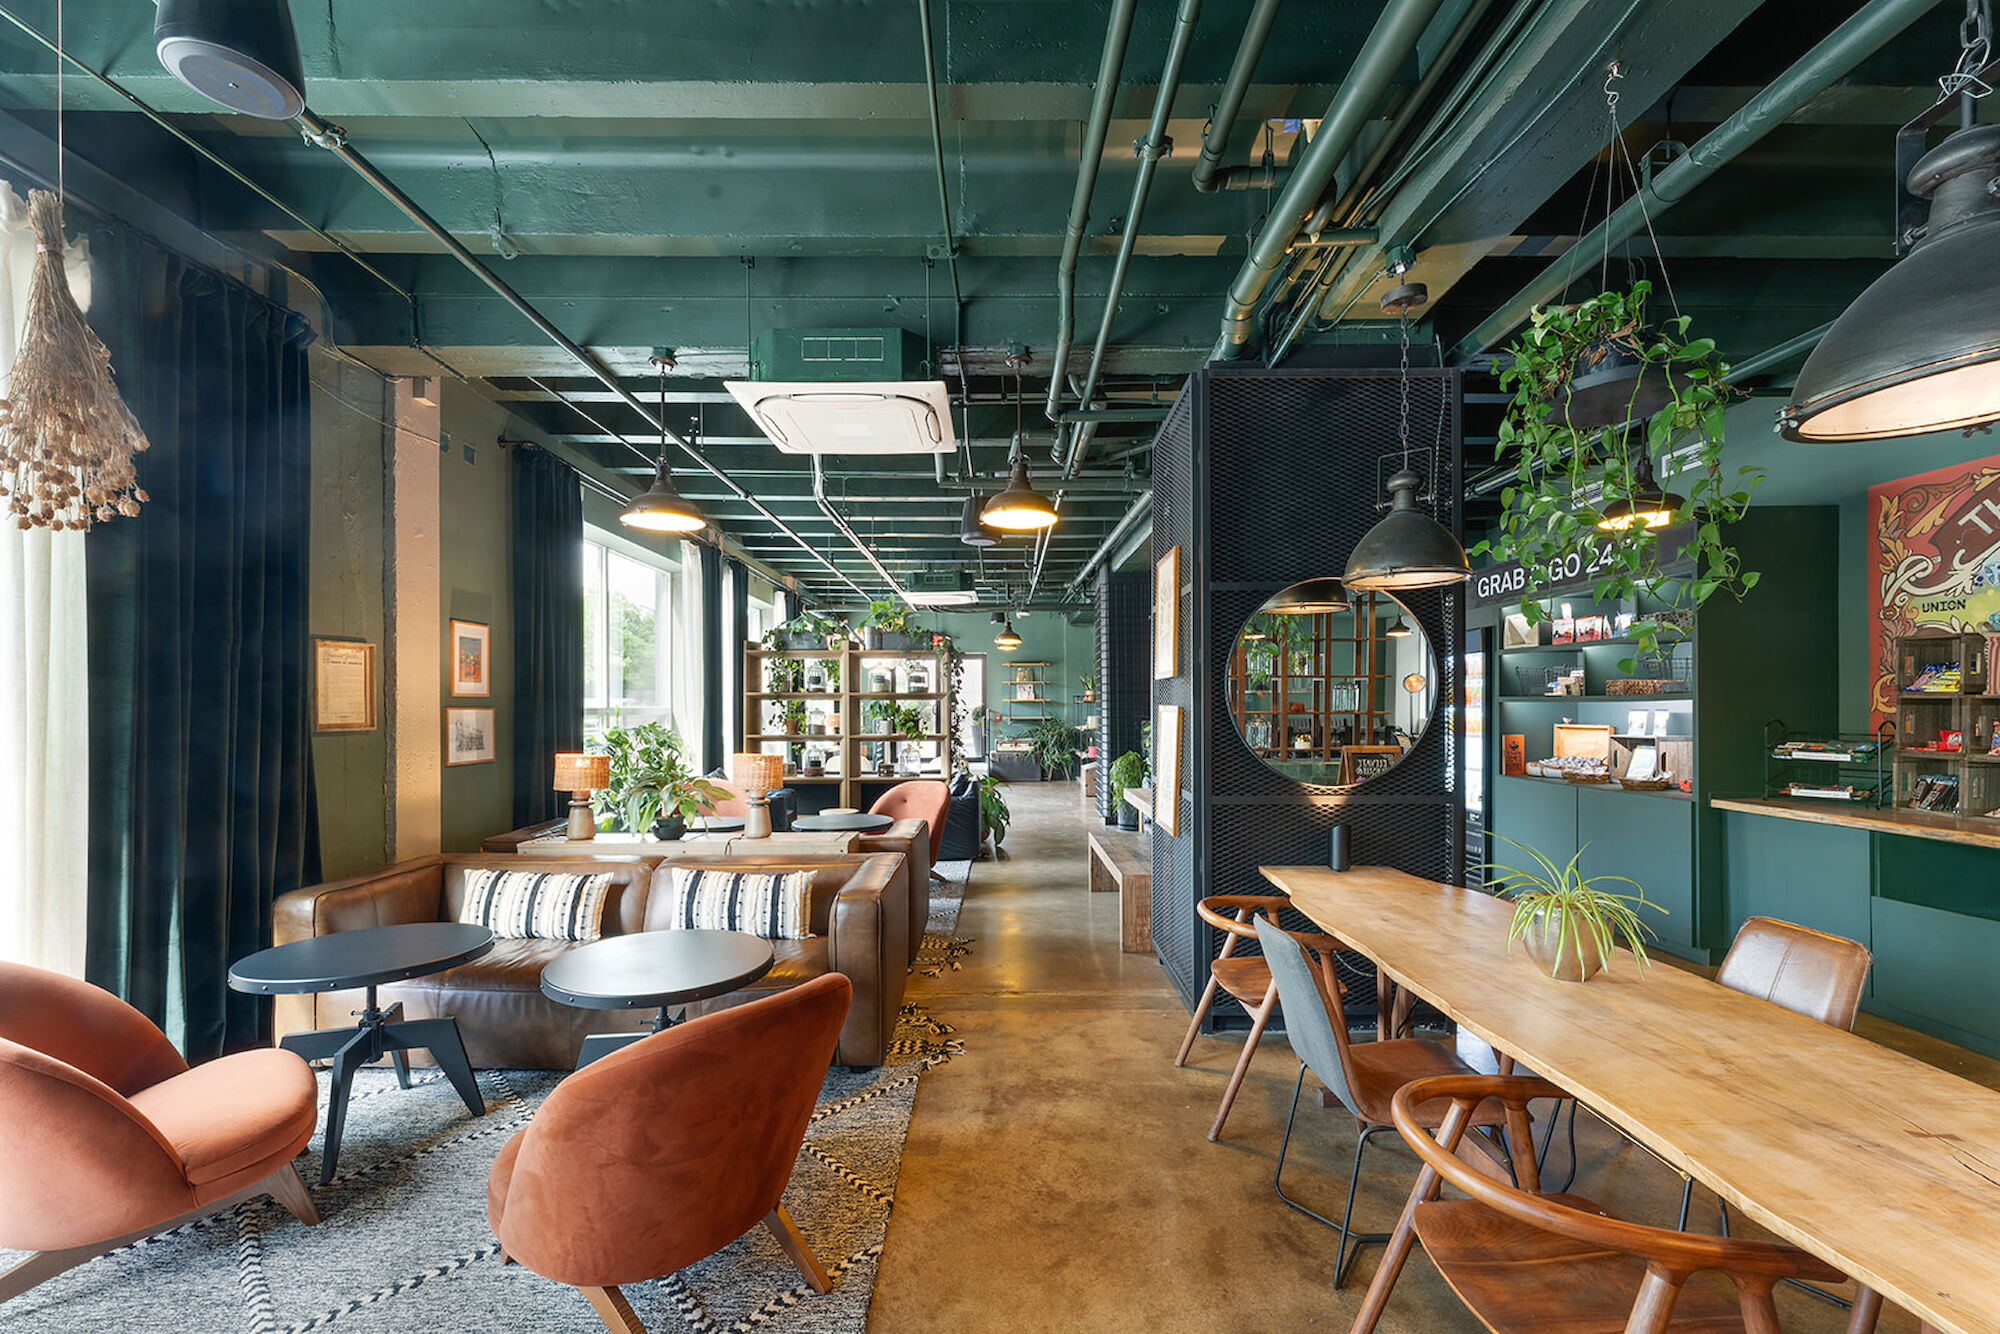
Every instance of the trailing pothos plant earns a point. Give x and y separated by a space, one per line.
1568 471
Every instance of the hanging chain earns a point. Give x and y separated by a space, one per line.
1403 381
1975 40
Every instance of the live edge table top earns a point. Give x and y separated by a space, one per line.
1872 1160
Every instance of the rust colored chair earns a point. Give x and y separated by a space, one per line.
1246 977
663 1153
924 799
1522 1261
106 1135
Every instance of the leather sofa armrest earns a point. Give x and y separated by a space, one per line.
867 939
407 892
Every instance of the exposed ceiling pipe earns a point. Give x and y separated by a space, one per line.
1215 142
334 140
1154 146
1140 508
840 522
1389 44
944 198
1859 37
1117 34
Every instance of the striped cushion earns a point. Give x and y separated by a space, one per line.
536 905
776 906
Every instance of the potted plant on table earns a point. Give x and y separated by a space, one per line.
1601 400
651 787
1569 925
1127 771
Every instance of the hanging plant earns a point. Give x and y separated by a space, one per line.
1573 474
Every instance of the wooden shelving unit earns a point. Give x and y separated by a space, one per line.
852 749
1329 691
1971 710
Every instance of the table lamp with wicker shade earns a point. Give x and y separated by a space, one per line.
755 774
580 775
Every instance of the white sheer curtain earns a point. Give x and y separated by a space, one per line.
682 652
44 718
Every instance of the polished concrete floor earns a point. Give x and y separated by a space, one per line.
1057 1175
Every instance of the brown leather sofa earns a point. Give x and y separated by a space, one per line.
860 920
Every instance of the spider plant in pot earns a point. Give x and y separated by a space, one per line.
1602 402
1568 925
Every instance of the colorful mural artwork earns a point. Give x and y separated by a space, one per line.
1937 563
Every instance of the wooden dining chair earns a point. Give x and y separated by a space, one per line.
1522 1261
1246 977
1364 1076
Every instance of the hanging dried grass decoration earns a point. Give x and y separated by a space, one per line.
66 437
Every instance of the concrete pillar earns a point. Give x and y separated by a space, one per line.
415 668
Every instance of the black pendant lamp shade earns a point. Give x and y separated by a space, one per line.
1408 548
1309 598
1020 508
971 531
1400 630
1918 351
1647 506
242 54
1007 641
662 509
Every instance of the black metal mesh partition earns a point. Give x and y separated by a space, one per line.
1124 672
1264 478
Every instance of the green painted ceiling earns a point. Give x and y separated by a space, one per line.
635 153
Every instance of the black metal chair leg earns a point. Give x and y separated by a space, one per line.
1342 1257
446 1048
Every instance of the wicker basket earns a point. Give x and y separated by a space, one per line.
1591 776
1646 685
1646 784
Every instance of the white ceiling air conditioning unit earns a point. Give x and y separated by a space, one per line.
940 588
882 417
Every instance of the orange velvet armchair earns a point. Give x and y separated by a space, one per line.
107 1136
664 1152
919 799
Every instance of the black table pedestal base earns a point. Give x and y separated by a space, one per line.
599 1045
382 1033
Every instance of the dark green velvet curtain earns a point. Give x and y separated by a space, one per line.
202 806
739 631
546 513
712 684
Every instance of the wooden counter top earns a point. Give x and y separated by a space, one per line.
1975 831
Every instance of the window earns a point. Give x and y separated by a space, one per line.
626 616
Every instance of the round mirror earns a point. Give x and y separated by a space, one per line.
1330 686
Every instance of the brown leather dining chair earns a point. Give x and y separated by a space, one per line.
665 1151
1246 977
1364 1076
107 1136
1526 1262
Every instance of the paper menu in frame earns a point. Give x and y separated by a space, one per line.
1167 769
343 685
1166 615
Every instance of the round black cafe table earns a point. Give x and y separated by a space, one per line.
368 958
860 822
652 968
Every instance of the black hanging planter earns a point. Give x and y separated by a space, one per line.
1611 384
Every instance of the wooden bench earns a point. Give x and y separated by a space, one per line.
1123 861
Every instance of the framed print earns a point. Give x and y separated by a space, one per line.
343 685
1166 614
470 661
1167 769
1358 764
469 736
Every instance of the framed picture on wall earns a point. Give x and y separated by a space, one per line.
1167 769
471 664
469 737
1166 614
343 685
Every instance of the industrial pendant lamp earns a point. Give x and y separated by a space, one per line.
1007 641
970 530
662 509
1309 598
1647 506
1020 508
1407 548
1919 351
1399 630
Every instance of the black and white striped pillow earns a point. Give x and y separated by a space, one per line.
536 905
773 905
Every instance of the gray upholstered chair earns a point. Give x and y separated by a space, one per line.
1364 1076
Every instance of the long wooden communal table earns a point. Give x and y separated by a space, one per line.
1869 1159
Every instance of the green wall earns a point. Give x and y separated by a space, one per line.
1046 636
346 600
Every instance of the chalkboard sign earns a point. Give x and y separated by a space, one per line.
1361 763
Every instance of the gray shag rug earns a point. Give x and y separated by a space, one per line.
403 1244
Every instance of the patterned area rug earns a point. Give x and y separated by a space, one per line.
403 1243
942 949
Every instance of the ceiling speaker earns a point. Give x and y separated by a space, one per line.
240 53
